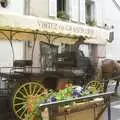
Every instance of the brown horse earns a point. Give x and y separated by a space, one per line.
109 69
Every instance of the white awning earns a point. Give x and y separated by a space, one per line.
24 26
95 41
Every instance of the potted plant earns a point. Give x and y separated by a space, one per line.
91 22
62 15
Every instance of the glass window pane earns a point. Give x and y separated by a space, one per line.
90 10
61 5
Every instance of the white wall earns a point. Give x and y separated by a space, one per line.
6 55
14 6
99 12
112 17
39 8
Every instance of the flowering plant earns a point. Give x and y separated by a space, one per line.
69 92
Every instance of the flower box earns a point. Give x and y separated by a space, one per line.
78 111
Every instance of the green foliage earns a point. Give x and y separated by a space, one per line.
62 15
64 94
91 22
85 93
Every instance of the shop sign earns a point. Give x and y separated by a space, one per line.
71 28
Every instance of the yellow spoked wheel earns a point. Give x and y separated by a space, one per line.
26 96
94 87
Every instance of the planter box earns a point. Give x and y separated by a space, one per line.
80 111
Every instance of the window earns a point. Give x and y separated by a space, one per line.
62 9
90 12
61 5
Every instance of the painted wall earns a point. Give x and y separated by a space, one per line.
14 6
112 17
6 53
39 8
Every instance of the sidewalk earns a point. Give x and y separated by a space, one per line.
115 111
115 104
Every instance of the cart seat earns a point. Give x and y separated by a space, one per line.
21 65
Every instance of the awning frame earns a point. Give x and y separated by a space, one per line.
35 33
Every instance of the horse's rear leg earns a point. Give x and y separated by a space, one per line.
116 87
105 85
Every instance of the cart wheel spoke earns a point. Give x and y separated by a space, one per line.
38 91
30 88
23 97
23 113
25 89
22 94
19 98
22 103
34 88
94 86
23 107
43 93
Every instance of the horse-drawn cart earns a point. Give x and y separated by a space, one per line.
22 82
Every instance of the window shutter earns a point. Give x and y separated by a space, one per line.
82 11
53 8
74 10
99 13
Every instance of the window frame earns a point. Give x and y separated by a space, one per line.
63 10
90 17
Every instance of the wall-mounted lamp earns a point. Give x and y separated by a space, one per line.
111 37
4 3
107 26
